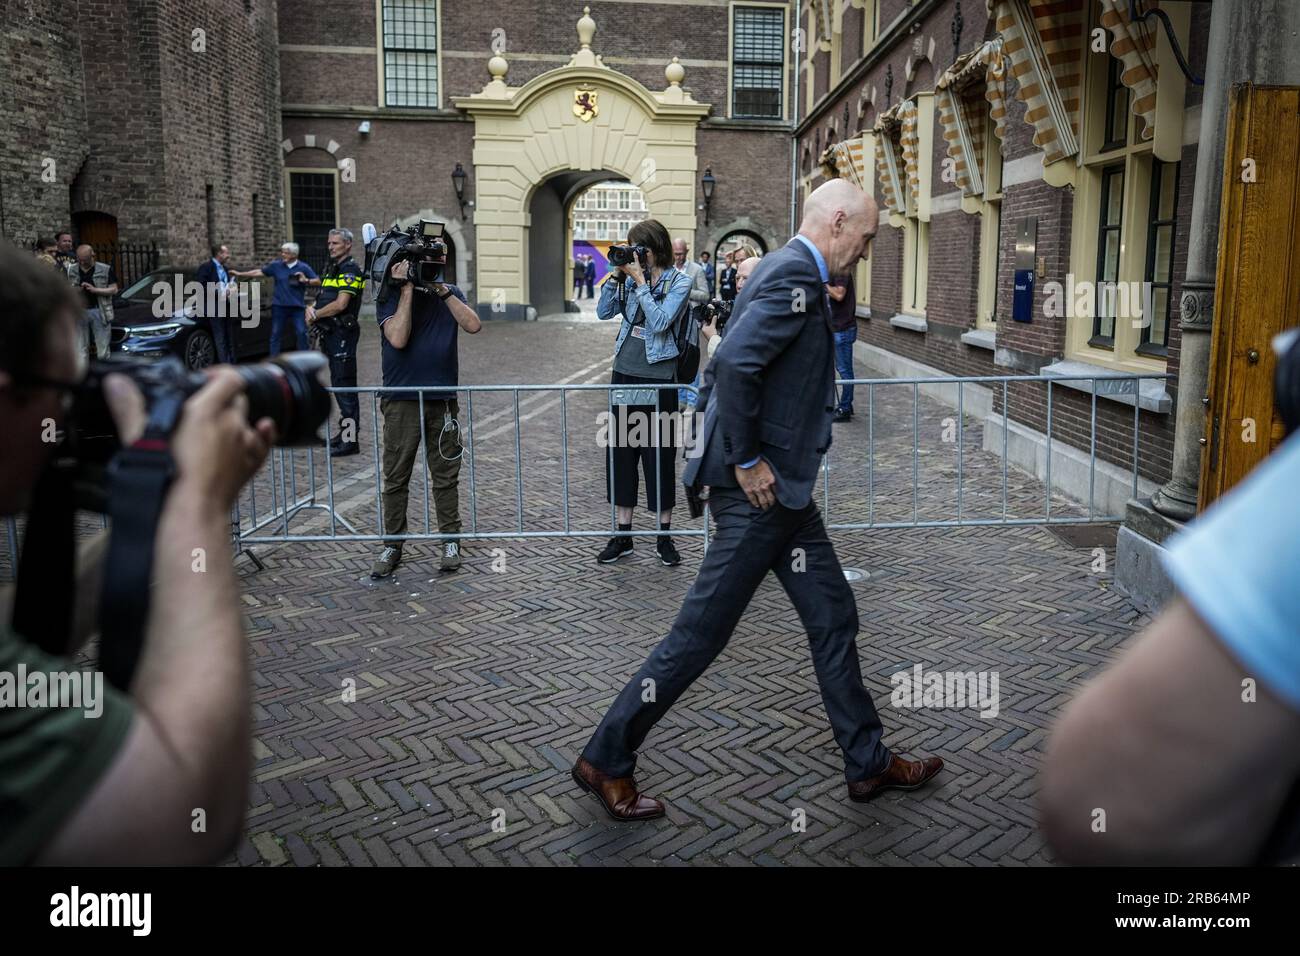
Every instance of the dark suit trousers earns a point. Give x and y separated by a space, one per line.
749 543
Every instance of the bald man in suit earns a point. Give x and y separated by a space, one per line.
768 400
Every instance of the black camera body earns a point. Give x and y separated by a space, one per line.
721 308
422 245
287 389
622 255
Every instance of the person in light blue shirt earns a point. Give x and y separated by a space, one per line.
1191 743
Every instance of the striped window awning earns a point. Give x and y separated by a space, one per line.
1134 46
892 154
1043 42
909 139
975 85
844 160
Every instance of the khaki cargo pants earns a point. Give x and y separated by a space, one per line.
401 443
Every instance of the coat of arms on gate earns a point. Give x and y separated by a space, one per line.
584 103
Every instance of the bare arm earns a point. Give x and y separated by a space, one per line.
397 327
1163 743
188 746
334 308
837 292
465 317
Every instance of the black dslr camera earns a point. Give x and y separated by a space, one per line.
287 389
422 245
92 469
622 255
717 307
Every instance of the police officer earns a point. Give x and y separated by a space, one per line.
334 318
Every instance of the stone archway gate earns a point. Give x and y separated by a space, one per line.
579 117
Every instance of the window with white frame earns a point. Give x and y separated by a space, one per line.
410 31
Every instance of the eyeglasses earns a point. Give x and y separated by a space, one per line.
69 390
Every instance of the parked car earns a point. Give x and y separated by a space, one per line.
139 330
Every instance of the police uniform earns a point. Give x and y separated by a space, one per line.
339 335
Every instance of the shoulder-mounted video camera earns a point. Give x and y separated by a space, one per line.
422 245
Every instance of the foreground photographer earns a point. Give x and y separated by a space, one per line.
123 786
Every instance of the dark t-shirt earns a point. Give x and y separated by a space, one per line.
844 313
430 356
91 299
51 757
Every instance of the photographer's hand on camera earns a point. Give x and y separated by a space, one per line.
633 269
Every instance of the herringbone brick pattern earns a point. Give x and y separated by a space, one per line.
475 692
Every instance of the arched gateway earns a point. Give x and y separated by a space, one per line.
569 127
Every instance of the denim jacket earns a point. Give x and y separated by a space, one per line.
660 343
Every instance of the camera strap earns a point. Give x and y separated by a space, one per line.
138 478
45 596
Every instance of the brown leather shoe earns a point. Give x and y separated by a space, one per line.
899 775
618 795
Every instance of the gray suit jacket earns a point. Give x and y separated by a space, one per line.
770 389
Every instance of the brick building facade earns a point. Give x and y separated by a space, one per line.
147 120
937 296
373 87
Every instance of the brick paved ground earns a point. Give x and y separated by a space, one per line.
476 691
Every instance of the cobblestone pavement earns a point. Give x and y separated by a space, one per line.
476 691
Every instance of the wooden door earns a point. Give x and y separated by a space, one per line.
1258 285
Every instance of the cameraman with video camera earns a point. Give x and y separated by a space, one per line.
122 783
420 317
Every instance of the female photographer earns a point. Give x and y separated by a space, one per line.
651 296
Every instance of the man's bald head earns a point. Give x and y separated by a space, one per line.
841 221
679 252
744 269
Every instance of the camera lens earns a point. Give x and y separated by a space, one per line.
289 391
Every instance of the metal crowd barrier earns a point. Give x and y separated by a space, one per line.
1133 382
251 526
272 523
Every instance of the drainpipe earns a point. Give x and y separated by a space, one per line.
794 142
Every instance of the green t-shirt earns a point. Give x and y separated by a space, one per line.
51 756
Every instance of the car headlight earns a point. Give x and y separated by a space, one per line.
153 331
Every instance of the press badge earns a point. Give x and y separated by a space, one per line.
638 331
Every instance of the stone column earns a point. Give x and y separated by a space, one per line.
1253 40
